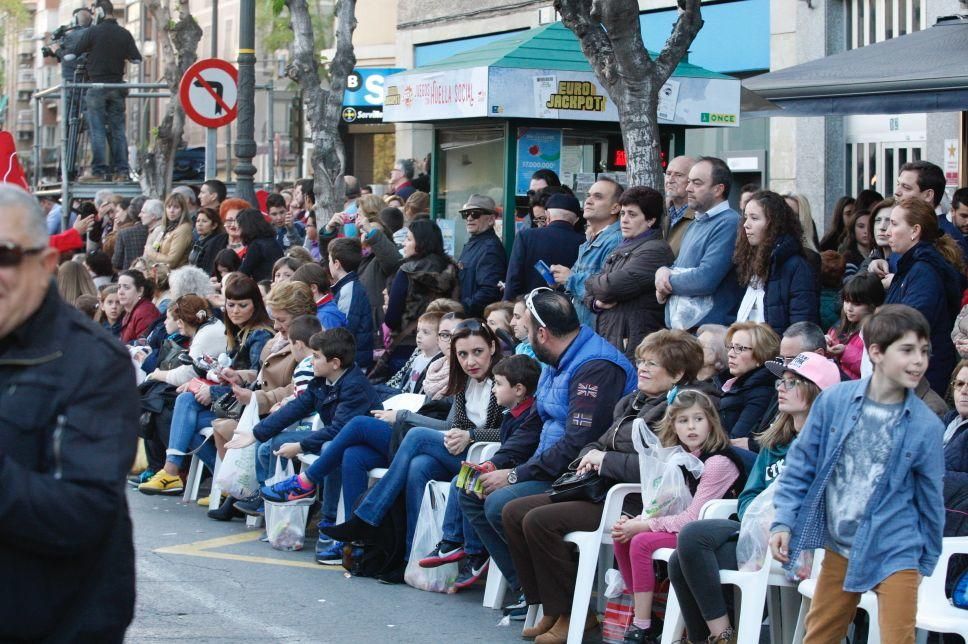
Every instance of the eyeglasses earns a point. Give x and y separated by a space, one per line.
958 385
230 221
444 335
647 364
786 384
473 214
784 360
737 348
529 302
12 254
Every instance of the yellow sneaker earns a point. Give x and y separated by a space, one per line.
162 483
204 501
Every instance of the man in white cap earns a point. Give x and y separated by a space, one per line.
483 261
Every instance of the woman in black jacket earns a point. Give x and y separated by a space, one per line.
750 392
261 248
212 238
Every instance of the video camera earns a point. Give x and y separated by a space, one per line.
57 38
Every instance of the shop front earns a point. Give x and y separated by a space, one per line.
531 101
369 142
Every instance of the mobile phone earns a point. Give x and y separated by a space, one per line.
545 272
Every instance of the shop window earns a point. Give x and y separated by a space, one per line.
471 161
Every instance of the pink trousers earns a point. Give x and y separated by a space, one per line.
635 559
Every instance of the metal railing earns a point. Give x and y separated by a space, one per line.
149 91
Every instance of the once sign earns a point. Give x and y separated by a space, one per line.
209 92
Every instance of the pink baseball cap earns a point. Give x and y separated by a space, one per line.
810 366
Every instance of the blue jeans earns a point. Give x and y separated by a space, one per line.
105 115
422 457
362 444
187 419
457 529
485 517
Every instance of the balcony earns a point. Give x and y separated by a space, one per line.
26 76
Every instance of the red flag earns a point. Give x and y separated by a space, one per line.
10 170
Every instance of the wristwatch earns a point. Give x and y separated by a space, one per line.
512 477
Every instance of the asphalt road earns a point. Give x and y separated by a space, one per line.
201 580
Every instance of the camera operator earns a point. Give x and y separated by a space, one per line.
107 45
67 37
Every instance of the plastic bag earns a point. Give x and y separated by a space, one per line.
686 312
754 532
664 489
286 523
619 612
429 532
236 474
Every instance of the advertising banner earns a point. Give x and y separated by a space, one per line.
440 95
537 148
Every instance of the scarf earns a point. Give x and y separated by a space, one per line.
435 380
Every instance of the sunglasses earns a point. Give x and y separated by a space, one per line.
529 302
471 325
473 214
12 254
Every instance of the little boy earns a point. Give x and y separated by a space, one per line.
863 481
318 280
345 256
520 329
515 381
410 377
338 392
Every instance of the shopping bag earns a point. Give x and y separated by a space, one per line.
286 523
754 532
429 532
664 489
686 312
236 474
619 612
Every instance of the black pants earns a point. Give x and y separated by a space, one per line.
704 548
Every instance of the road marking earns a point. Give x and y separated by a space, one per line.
204 549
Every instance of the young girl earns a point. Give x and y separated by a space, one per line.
690 421
862 294
706 547
109 312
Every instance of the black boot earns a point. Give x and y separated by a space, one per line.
226 511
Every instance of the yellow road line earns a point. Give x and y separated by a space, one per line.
204 549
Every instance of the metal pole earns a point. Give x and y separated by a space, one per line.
65 184
37 132
245 147
270 116
211 134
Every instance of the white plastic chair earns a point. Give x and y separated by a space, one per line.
935 612
195 470
807 588
590 551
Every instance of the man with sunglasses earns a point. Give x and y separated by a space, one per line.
68 427
482 262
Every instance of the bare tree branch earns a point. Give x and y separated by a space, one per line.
678 43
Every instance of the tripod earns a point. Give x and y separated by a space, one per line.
77 136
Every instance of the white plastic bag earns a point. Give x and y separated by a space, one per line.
614 583
754 532
286 523
236 474
664 490
686 312
429 532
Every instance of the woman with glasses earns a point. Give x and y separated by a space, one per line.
622 295
706 547
668 362
749 392
426 274
228 212
956 462
434 451
782 285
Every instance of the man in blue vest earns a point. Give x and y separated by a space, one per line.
584 378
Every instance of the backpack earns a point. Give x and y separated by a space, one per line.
384 550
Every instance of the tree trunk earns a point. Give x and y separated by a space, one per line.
324 106
611 39
179 44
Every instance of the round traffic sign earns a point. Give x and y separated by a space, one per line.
209 92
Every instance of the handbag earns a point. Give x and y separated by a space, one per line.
572 486
227 406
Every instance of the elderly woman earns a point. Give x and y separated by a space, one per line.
541 562
622 294
750 391
712 337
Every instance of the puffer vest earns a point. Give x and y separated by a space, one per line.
556 381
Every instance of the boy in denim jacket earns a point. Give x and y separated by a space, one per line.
864 481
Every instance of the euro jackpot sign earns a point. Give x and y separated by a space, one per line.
576 95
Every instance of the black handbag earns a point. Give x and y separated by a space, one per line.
227 406
572 486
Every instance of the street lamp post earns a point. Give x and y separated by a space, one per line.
245 147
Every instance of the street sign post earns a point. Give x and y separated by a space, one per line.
209 95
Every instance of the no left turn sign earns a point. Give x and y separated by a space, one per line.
209 92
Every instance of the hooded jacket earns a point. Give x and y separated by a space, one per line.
792 292
927 282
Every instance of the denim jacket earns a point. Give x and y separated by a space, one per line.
591 257
904 519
